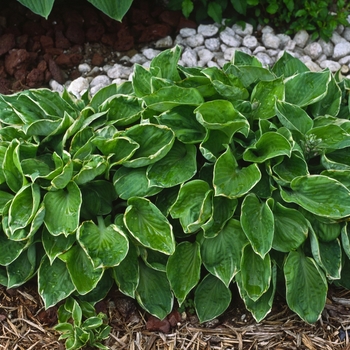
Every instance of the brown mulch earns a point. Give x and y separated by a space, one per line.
26 325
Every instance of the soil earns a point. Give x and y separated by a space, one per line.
34 50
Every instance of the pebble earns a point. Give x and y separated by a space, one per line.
208 46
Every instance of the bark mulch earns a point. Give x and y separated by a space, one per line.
26 325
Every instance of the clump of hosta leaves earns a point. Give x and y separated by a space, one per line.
181 180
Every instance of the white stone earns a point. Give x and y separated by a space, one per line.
229 53
346 34
150 53
314 50
138 58
189 58
245 50
78 86
221 62
195 40
207 30
248 29
345 69
164 43
284 38
305 58
267 29
327 47
100 79
323 57
124 59
290 46
250 41
344 60
187 32
119 71
118 81
204 56
340 29
301 38
331 65
147 64
272 53
96 88
340 50
264 58
271 40
259 49
212 44
106 68
314 67
212 64
179 40
56 86
229 37
84 68
336 38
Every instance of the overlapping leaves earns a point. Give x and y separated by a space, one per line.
180 183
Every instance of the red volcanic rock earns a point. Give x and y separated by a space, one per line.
97 59
7 42
33 28
4 86
75 33
155 324
46 42
63 60
170 17
56 72
16 60
174 317
154 32
186 23
21 41
61 42
35 78
95 32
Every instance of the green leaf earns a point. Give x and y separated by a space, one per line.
182 121
215 11
293 117
211 298
122 110
115 10
23 268
265 94
63 210
54 282
240 6
327 255
255 273
126 274
178 166
258 224
288 66
102 95
169 97
320 195
221 115
222 254
187 7
155 142
11 167
232 181
166 62
133 182
10 250
222 211
106 246
291 228
153 292
193 205
56 245
23 208
149 226
306 88
81 270
269 145
183 269
41 8
261 307
306 286
92 167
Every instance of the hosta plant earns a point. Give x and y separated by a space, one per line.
179 184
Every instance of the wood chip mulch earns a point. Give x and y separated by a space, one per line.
26 325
